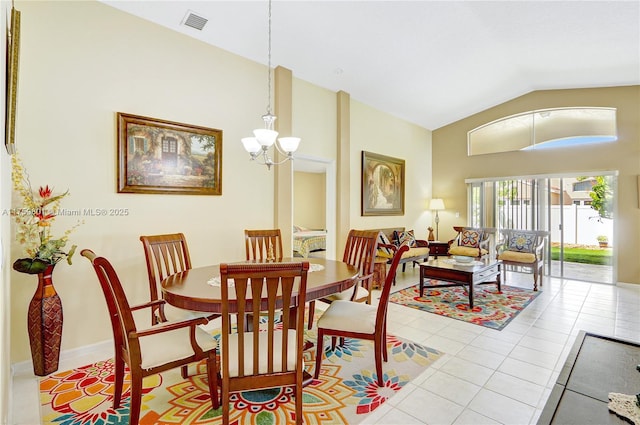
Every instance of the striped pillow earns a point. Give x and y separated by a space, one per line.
407 238
384 251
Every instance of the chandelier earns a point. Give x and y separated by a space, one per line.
264 138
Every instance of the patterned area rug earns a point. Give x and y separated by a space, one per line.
345 392
491 309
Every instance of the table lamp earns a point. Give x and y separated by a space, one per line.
436 205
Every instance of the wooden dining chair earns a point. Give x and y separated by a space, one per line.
349 319
166 255
271 356
263 245
360 251
161 347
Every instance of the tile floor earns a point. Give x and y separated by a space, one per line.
484 377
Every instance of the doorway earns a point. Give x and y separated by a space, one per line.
324 169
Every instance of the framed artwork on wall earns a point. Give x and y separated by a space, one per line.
157 156
382 188
11 73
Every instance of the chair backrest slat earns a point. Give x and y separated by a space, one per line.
263 245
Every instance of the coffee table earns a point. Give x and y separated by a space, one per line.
479 272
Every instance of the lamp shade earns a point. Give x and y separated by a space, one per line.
265 136
250 144
289 144
436 204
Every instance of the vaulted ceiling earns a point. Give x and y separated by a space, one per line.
428 62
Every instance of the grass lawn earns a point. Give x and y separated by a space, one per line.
585 255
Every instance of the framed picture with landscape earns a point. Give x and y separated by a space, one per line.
156 156
11 73
382 188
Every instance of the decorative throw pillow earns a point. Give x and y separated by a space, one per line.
470 238
384 251
521 242
407 238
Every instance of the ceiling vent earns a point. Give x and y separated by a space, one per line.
192 20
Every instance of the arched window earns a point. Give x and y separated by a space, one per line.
544 128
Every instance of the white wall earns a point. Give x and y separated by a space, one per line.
5 240
580 225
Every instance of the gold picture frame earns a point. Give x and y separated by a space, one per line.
11 93
158 156
382 188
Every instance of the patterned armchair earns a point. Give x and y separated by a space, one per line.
523 249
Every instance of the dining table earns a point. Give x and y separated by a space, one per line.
197 288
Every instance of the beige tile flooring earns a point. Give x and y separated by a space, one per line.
484 377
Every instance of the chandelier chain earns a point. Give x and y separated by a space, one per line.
269 63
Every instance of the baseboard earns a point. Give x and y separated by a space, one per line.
66 357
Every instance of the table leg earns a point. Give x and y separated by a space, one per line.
471 294
421 281
498 281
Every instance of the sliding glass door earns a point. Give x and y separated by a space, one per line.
577 210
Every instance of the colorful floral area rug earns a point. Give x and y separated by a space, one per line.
491 309
345 392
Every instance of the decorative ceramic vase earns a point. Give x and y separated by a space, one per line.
44 321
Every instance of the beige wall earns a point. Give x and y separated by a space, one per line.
377 132
81 63
451 165
309 200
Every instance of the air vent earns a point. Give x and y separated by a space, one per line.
192 20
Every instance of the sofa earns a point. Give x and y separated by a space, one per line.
390 239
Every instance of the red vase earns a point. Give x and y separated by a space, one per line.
45 325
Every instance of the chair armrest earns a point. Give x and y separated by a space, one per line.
153 303
421 243
389 246
539 250
170 326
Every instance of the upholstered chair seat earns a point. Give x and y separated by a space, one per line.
162 348
350 317
467 251
518 257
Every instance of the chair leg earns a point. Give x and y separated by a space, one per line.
117 390
298 401
312 309
225 404
184 371
535 278
378 354
319 350
385 355
136 396
212 376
